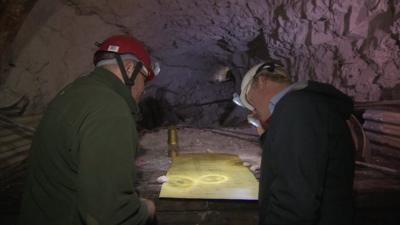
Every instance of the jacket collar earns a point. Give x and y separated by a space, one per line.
293 87
109 79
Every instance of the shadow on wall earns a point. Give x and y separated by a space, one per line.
155 112
158 110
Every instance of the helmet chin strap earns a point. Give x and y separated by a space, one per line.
128 81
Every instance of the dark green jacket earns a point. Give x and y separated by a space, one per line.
307 160
81 168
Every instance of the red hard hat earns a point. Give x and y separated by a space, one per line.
125 44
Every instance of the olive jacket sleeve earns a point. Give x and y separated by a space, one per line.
106 194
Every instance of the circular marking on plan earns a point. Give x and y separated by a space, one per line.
180 182
213 179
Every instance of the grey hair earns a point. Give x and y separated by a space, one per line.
113 61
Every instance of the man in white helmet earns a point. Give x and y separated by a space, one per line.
307 160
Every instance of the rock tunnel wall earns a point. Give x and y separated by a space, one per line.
352 44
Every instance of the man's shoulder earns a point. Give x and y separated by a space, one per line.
92 89
300 99
88 94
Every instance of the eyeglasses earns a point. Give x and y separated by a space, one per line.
144 72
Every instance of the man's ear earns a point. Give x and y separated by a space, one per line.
262 81
129 66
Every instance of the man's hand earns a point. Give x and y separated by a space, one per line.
264 124
260 130
151 207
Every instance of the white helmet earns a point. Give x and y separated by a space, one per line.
249 77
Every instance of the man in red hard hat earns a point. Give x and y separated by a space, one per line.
81 166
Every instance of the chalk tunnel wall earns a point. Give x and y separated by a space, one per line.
204 48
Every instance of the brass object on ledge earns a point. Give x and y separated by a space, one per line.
173 148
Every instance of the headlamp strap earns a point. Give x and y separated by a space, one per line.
136 71
270 67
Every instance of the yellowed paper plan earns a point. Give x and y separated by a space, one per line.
209 176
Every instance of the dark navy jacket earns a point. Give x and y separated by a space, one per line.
308 159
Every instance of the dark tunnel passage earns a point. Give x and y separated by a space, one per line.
204 49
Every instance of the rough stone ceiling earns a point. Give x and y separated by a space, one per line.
352 44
